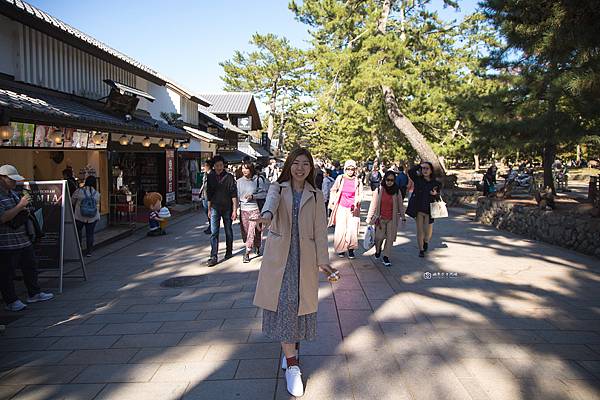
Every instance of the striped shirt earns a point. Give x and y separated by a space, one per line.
11 239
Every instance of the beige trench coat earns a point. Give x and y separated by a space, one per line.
313 246
398 212
336 192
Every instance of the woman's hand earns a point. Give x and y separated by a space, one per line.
263 222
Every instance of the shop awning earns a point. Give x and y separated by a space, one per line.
235 157
201 135
262 152
25 104
124 89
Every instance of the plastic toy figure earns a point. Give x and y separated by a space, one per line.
152 201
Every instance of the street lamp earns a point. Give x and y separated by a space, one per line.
176 144
123 140
146 142
162 143
185 145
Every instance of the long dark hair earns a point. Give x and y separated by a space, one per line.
286 173
432 176
392 190
90 181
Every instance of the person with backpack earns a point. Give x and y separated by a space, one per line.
402 181
375 178
86 201
385 212
248 187
16 247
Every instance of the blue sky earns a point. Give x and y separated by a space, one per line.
186 39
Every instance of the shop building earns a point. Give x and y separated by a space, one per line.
68 100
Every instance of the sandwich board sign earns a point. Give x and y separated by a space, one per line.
58 249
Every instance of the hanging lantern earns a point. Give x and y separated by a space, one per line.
123 140
146 142
6 132
162 143
97 139
176 144
56 136
185 145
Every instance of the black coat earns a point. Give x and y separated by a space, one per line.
421 197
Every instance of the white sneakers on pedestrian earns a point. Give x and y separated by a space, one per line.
283 362
41 296
293 376
16 305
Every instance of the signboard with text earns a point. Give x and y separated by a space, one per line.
51 207
170 190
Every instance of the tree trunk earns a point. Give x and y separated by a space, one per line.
400 121
415 138
282 126
548 157
578 154
476 158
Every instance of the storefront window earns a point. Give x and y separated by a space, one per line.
45 136
76 138
97 140
22 135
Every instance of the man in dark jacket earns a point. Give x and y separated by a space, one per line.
221 192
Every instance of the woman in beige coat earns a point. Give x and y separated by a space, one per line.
295 249
385 212
344 202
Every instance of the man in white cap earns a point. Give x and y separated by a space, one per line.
15 247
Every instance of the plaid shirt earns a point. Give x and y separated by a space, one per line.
11 239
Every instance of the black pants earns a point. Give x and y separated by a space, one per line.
9 261
89 234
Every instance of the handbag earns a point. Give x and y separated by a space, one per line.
438 209
34 230
369 238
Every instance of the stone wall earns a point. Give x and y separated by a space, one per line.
576 232
460 197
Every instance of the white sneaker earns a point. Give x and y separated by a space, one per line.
293 376
16 305
41 296
284 361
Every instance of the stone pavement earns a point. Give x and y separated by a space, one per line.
499 318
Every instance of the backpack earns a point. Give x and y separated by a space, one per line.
88 207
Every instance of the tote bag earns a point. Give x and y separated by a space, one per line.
369 238
438 209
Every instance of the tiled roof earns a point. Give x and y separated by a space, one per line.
221 122
229 103
20 8
48 108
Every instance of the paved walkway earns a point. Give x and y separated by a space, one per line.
499 318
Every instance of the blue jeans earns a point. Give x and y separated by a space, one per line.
215 222
89 234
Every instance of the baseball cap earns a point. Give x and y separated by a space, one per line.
11 172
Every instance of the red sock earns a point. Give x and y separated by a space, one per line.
291 361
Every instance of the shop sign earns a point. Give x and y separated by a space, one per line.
245 123
170 192
51 206
196 192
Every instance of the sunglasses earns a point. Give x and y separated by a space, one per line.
350 169
390 180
